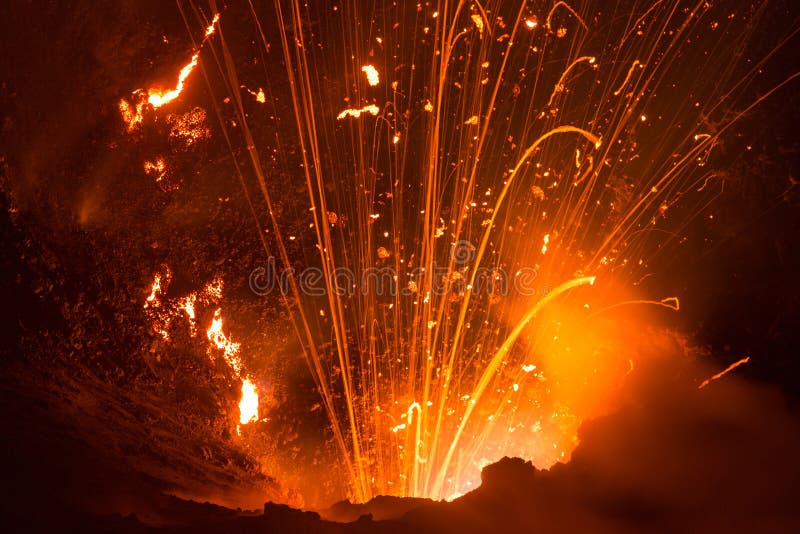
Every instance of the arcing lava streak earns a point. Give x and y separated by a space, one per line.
133 112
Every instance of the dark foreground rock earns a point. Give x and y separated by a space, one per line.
721 459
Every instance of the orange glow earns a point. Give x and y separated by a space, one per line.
188 128
372 109
152 300
472 159
157 168
373 78
162 311
159 314
133 113
248 405
187 304
158 98
211 28
230 349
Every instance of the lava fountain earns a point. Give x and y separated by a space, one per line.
486 185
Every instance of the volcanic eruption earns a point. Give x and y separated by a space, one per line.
454 265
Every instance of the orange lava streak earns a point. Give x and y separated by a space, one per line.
161 311
248 404
212 27
158 99
133 113
722 373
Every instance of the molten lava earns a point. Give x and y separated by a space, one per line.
248 406
503 242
